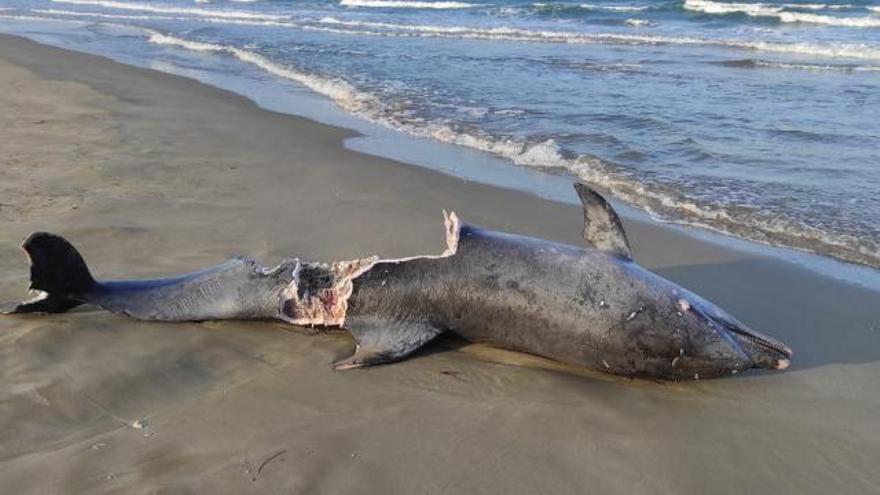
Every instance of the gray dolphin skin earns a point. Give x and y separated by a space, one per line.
589 306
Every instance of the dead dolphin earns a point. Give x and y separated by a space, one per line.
593 306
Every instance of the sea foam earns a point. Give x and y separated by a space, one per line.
143 7
846 50
590 6
780 12
70 13
615 8
771 64
639 23
339 91
663 201
407 4
148 17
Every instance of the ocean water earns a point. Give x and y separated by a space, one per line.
756 119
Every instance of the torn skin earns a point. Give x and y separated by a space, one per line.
319 292
508 290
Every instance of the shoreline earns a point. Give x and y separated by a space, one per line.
474 165
151 174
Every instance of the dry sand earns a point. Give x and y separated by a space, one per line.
151 174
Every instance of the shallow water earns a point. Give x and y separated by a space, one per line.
755 119
195 175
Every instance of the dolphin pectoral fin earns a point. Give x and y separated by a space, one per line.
381 340
359 359
602 227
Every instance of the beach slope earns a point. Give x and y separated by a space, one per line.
151 174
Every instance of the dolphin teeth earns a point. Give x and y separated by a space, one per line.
763 341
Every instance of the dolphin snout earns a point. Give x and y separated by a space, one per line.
765 352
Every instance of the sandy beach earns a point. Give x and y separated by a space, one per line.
151 174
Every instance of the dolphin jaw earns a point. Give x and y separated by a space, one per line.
760 350
764 352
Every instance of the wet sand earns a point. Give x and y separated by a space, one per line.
151 174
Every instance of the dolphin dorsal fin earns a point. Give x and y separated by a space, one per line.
602 227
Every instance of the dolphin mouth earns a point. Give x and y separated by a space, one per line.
765 352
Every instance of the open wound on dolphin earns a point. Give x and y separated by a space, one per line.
319 292
638 323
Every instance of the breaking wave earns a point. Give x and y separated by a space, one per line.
769 64
639 23
615 8
406 4
567 7
99 15
147 17
780 12
661 200
352 27
847 50
676 184
143 7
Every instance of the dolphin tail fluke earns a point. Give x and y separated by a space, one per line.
381 341
59 276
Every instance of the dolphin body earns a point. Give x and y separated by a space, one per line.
592 306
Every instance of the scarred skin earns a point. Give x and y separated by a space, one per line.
591 306
579 306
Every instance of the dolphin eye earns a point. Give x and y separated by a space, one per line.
683 305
